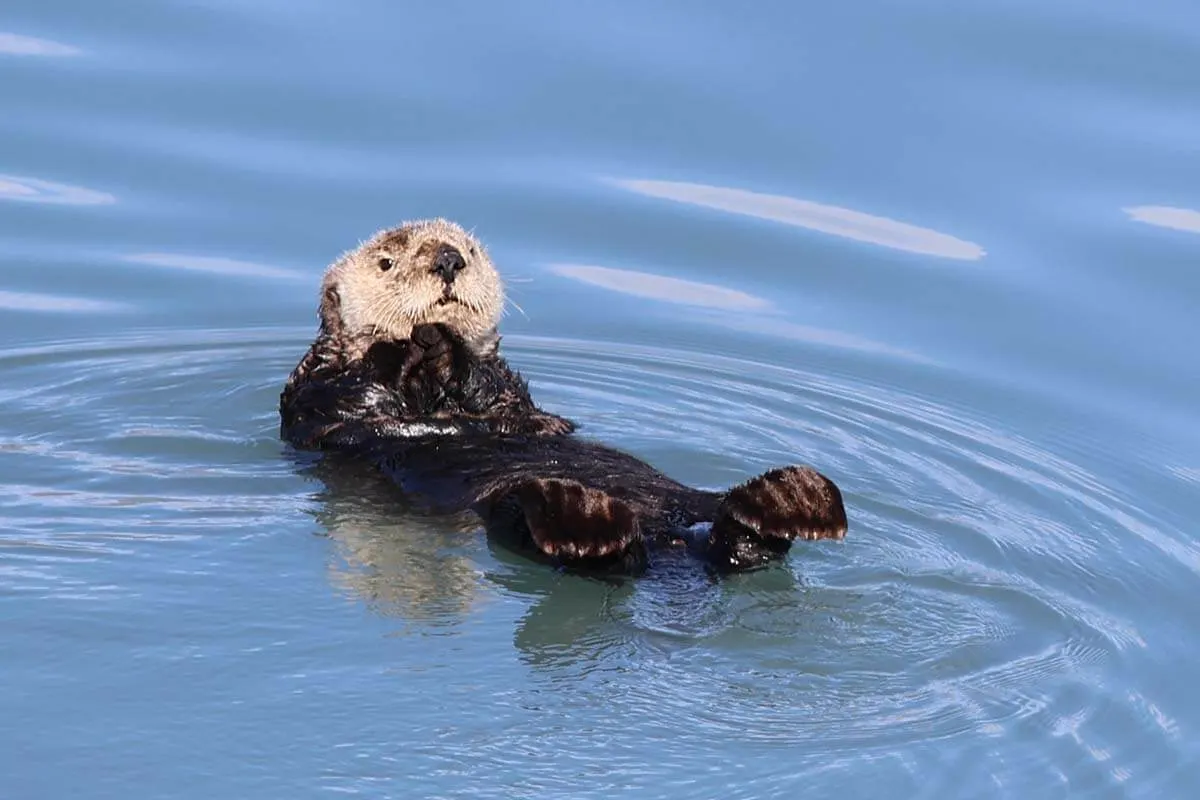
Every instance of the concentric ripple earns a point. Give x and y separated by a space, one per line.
132 441
976 590
975 599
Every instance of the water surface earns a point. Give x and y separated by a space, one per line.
944 253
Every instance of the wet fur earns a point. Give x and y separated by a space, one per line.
418 388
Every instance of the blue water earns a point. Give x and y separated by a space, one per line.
945 252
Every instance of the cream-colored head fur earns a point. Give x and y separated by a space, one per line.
380 290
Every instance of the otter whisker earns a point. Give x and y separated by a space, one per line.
389 310
381 309
401 307
515 305
470 433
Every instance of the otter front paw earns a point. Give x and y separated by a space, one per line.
435 354
434 360
758 520
581 526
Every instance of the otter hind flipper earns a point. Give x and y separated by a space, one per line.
580 527
757 521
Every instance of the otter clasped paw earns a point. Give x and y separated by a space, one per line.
581 526
434 353
427 356
405 373
434 359
758 520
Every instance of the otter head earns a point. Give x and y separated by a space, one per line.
423 271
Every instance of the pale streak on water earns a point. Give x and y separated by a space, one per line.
818 217
33 190
1180 219
16 45
945 252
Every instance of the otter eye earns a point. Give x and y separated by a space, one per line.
385 264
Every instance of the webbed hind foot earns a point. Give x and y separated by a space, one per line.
758 520
581 527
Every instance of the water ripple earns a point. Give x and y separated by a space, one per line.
660 287
725 307
36 301
35 190
112 466
845 222
975 598
216 265
1179 219
14 44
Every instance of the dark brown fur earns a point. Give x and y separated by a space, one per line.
456 428
456 431
429 384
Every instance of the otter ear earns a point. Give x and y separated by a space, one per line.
331 311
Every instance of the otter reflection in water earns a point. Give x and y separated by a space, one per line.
398 561
429 573
405 374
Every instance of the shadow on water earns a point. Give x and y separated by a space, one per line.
435 570
399 561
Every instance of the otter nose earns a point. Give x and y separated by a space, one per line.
448 262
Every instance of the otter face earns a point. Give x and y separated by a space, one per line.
424 271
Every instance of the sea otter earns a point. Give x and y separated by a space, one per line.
405 372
